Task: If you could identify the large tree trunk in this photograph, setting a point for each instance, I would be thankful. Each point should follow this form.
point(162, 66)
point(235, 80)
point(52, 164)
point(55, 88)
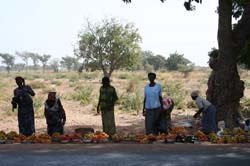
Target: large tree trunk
point(224, 86)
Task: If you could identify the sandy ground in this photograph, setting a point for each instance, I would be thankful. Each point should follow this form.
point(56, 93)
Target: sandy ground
point(80, 117)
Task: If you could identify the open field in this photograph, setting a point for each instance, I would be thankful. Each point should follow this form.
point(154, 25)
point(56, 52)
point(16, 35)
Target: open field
point(79, 95)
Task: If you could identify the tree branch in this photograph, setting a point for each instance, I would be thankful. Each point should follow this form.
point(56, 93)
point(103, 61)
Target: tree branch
point(242, 32)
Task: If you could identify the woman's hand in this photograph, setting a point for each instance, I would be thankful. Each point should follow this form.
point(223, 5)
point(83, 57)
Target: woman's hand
point(196, 115)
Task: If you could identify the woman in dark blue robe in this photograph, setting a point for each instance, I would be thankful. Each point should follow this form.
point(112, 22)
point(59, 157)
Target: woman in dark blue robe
point(23, 99)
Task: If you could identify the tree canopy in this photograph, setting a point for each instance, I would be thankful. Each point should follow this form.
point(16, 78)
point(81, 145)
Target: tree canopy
point(8, 60)
point(175, 60)
point(109, 46)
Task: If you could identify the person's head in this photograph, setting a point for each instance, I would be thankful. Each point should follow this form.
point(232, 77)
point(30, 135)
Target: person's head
point(151, 77)
point(20, 81)
point(52, 96)
point(247, 122)
point(105, 81)
point(194, 94)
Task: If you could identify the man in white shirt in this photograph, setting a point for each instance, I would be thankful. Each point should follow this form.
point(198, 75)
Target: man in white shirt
point(152, 105)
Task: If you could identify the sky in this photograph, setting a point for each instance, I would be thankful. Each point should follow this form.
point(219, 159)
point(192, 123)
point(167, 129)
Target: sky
point(52, 26)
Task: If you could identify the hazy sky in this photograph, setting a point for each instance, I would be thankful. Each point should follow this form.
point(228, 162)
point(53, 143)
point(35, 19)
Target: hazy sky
point(52, 26)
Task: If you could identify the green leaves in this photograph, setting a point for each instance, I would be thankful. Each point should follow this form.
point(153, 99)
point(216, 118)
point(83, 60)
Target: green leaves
point(8, 60)
point(109, 46)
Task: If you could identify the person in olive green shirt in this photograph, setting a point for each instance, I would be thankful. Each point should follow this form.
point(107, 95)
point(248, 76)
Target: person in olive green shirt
point(106, 104)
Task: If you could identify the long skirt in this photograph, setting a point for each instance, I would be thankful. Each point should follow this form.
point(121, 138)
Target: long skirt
point(55, 128)
point(152, 121)
point(208, 121)
point(108, 121)
point(26, 122)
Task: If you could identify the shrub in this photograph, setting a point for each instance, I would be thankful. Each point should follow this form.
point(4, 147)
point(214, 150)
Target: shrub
point(89, 75)
point(37, 85)
point(191, 104)
point(60, 76)
point(82, 94)
point(131, 102)
point(174, 90)
point(2, 85)
point(132, 85)
point(123, 76)
point(47, 90)
point(57, 83)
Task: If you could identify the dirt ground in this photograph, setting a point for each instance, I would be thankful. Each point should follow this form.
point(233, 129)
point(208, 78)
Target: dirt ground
point(81, 117)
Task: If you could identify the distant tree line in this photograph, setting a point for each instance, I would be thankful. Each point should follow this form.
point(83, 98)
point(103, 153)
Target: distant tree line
point(107, 46)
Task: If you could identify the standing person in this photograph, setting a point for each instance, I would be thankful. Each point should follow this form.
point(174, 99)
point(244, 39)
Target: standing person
point(208, 110)
point(54, 114)
point(106, 104)
point(22, 98)
point(152, 105)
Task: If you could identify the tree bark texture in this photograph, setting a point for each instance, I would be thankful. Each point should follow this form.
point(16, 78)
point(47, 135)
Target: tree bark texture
point(224, 85)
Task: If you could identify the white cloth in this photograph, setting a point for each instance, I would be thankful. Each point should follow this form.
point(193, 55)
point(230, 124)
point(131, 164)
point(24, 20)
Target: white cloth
point(152, 96)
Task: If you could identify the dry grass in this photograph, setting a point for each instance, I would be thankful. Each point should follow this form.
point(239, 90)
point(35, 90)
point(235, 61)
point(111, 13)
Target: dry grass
point(126, 83)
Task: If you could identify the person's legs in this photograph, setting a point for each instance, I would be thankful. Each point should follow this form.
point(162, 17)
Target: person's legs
point(108, 121)
point(162, 122)
point(21, 123)
point(209, 120)
point(149, 120)
point(157, 121)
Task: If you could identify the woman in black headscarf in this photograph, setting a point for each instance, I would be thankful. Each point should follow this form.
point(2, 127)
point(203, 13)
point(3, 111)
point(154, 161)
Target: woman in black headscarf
point(55, 114)
point(22, 98)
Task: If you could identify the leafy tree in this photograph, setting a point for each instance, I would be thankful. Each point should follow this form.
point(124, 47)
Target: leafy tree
point(70, 63)
point(35, 58)
point(8, 60)
point(19, 66)
point(25, 57)
point(109, 46)
point(44, 60)
point(224, 85)
point(76, 64)
point(175, 60)
point(55, 65)
point(186, 69)
point(67, 62)
point(158, 61)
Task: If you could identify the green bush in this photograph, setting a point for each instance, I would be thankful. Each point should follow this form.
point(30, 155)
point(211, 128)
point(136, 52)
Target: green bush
point(132, 85)
point(131, 102)
point(90, 75)
point(82, 94)
point(123, 76)
point(174, 90)
point(47, 90)
point(29, 77)
point(57, 83)
point(246, 83)
point(191, 104)
point(2, 85)
point(73, 84)
point(60, 75)
point(246, 112)
point(37, 85)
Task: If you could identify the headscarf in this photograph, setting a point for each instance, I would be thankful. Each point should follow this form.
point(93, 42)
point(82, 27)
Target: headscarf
point(195, 93)
point(19, 78)
point(105, 80)
point(51, 99)
point(51, 96)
